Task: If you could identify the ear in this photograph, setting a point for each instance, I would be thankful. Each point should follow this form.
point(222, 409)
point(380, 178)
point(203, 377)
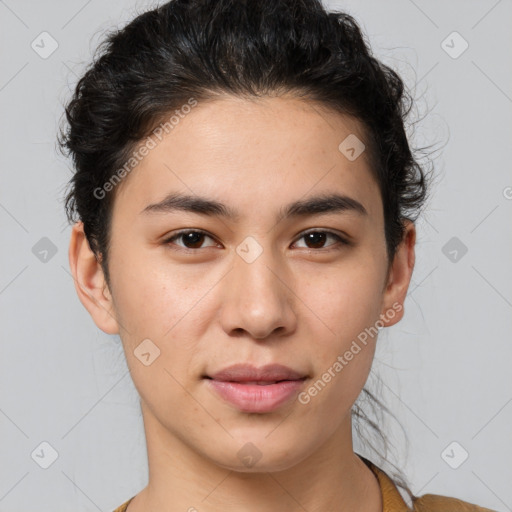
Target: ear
point(90, 282)
point(399, 277)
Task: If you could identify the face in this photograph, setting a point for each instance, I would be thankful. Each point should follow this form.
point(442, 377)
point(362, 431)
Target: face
point(197, 287)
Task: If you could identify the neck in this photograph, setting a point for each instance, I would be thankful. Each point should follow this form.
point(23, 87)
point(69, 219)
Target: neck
point(332, 478)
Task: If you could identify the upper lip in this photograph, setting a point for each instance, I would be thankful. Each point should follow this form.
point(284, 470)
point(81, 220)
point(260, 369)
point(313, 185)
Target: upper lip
point(249, 373)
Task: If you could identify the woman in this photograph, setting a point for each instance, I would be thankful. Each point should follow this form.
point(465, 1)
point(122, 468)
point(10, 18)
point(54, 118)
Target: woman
point(245, 199)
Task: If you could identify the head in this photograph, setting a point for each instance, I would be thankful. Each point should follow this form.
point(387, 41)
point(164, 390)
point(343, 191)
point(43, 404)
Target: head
point(243, 195)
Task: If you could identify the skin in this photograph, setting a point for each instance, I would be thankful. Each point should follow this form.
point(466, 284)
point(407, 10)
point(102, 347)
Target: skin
point(297, 304)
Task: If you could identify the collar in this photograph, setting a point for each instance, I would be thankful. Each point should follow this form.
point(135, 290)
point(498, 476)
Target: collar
point(392, 500)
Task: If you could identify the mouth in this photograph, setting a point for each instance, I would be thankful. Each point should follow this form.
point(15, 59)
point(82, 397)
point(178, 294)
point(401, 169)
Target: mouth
point(250, 389)
point(247, 373)
point(256, 382)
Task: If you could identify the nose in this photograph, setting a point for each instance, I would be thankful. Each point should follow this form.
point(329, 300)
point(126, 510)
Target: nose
point(258, 299)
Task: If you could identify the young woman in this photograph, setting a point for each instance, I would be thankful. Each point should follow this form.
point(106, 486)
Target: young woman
point(244, 205)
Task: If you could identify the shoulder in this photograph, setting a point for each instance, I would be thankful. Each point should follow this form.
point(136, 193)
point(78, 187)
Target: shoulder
point(435, 503)
point(394, 502)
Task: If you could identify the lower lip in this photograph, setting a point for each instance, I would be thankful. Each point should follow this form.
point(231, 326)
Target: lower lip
point(256, 398)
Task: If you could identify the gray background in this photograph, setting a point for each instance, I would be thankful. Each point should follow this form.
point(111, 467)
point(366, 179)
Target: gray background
point(445, 367)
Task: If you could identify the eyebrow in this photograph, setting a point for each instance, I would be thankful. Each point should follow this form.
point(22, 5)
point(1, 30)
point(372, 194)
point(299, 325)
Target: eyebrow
point(316, 205)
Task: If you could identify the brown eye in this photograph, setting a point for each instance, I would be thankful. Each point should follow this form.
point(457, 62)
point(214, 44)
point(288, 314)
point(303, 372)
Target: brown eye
point(191, 239)
point(317, 239)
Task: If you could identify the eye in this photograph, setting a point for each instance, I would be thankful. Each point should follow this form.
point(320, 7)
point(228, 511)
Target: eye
point(192, 239)
point(318, 238)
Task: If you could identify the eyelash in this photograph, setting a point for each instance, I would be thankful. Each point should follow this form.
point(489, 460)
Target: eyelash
point(341, 241)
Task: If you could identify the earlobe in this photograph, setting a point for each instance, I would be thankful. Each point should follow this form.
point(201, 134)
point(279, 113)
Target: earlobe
point(399, 278)
point(90, 282)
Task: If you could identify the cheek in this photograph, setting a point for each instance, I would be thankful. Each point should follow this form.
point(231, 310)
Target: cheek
point(152, 298)
point(338, 381)
point(346, 300)
point(346, 305)
point(159, 303)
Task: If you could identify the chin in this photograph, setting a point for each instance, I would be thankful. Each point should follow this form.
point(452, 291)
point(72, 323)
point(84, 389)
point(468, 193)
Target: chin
point(264, 455)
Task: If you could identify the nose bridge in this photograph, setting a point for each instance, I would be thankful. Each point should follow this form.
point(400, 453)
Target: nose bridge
point(257, 300)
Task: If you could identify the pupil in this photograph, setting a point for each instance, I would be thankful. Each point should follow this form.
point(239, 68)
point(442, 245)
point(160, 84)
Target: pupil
point(193, 238)
point(316, 238)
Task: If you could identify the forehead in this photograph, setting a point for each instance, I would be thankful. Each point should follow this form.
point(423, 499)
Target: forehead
point(273, 150)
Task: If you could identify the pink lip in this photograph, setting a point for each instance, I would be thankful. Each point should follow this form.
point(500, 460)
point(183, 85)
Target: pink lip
point(232, 385)
point(255, 397)
point(247, 373)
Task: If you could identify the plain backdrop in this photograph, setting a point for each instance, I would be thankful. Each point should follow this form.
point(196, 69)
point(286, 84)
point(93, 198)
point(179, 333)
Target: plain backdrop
point(445, 366)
